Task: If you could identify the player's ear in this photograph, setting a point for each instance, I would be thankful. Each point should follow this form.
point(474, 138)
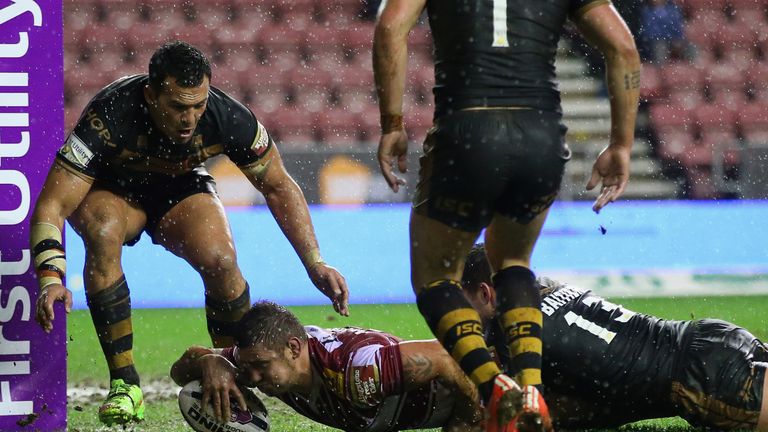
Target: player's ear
point(149, 95)
point(294, 344)
point(487, 293)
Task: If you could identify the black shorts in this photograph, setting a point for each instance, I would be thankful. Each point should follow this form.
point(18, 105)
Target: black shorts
point(720, 382)
point(156, 195)
point(480, 162)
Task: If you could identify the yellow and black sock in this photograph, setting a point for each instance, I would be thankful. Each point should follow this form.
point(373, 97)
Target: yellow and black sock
point(518, 308)
point(223, 315)
point(457, 326)
point(111, 315)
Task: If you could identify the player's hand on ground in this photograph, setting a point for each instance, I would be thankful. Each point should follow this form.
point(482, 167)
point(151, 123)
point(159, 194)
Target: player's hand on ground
point(49, 295)
point(612, 169)
point(219, 382)
point(331, 283)
point(393, 150)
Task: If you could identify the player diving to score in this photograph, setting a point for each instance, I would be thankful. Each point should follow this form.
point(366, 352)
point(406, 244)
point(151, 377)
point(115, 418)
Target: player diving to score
point(605, 366)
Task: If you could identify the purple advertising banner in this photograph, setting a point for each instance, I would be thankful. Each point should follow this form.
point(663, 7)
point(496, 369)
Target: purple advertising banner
point(33, 373)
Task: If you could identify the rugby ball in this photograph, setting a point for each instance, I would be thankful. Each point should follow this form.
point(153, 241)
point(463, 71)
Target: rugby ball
point(255, 419)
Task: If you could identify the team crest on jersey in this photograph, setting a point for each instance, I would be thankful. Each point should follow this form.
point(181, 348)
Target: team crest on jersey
point(261, 142)
point(76, 151)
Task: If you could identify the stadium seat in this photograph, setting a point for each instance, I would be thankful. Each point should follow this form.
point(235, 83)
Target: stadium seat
point(650, 83)
point(682, 83)
point(726, 86)
point(710, 118)
point(340, 13)
point(217, 14)
point(80, 15)
point(370, 126)
point(354, 89)
point(695, 6)
point(673, 143)
point(751, 6)
point(357, 44)
point(670, 117)
point(753, 123)
point(292, 127)
point(264, 88)
point(294, 14)
point(418, 120)
point(750, 18)
point(700, 183)
point(280, 47)
point(324, 48)
point(339, 128)
point(310, 89)
point(168, 13)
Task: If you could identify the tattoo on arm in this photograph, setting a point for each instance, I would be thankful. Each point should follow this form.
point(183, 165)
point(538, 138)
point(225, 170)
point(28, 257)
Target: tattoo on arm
point(632, 80)
point(418, 368)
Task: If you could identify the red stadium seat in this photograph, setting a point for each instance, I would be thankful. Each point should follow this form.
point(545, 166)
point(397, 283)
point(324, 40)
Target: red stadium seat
point(650, 83)
point(294, 14)
point(357, 44)
point(683, 83)
point(168, 13)
point(265, 88)
point(753, 122)
point(665, 117)
point(354, 89)
point(339, 128)
point(80, 15)
point(700, 183)
point(370, 126)
point(418, 120)
point(211, 13)
point(324, 48)
point(750, 18)
point(751, 6)
point(340, 13)
point(311, 89)
point(694, 6)
point(714, 118)
point(280, 47)
point(726, 86)
point(293, 127)
point(673, 143)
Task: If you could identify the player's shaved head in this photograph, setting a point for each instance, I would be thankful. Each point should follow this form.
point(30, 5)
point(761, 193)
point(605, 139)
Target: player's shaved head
point(268, 325)
point(179, 60)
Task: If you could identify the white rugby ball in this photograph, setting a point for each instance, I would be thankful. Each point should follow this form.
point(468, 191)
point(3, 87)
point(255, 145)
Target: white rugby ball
point(255, 419)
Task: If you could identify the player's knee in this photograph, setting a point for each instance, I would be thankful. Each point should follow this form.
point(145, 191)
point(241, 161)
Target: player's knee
point(102, 235)
point(215, 263)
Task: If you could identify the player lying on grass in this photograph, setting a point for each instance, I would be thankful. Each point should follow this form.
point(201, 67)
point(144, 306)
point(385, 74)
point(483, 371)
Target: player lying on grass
point(351, 379)
point(605, 366)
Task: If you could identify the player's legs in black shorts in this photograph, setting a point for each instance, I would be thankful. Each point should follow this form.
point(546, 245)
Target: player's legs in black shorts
point(721, 381)
point(479, 166)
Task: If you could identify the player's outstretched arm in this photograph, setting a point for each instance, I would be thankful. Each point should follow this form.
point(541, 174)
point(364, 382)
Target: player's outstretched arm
point(217, 375)
point(289, 207)
point(62, 193)
point(390, 58)
point(604, 28)
point(424, 361)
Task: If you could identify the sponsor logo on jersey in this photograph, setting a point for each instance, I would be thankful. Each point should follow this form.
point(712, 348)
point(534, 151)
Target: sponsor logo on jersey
point(76, 151)
point(261, 142)
point(364, 385)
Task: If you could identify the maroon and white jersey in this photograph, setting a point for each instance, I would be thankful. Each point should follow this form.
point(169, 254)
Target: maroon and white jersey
point(360, 385)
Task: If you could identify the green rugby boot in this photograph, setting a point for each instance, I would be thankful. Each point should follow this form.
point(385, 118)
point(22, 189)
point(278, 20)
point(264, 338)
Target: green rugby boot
point(124, 403)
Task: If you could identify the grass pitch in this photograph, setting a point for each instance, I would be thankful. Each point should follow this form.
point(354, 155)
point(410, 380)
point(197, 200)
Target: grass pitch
point(161, 336)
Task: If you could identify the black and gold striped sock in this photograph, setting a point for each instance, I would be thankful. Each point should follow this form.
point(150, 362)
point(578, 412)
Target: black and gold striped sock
point(519, 310)
point(111, 315)
point(223, 315)
point(457, 326)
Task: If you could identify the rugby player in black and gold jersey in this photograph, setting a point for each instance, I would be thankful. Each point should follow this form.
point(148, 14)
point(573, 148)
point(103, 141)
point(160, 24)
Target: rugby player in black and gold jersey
point(605, 366)
point(495, 159)
point(133, 163)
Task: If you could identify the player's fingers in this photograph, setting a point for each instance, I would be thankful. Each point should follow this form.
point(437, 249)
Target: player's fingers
point(402, 163)
point(206, 398)
point(603, 198)
point(226, 412)
point(240, 398)
point(343, 298)
point(216, 402)
point(385, 164)
point(68, 301)
point(594, 179)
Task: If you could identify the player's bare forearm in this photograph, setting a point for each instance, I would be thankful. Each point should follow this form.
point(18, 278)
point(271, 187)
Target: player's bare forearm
point(186, 368)
point(390, 52)
point(62, 193)
point(424, 361)
point(286, 202)
point(603, 27)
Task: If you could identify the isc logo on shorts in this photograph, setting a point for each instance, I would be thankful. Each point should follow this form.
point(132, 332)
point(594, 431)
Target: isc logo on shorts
point(469, 328)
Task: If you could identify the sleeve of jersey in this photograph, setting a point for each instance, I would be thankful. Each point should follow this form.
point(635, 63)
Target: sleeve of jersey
point(249, 140)
point(373, 373)
point(82, 151)
point(580, 7)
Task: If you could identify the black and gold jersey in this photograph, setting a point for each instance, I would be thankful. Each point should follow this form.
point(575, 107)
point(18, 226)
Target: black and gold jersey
point(600, 350)
point(498, 52)
point(115, 139)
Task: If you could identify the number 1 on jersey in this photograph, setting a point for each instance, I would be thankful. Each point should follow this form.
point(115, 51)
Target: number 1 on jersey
point(500, 23)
